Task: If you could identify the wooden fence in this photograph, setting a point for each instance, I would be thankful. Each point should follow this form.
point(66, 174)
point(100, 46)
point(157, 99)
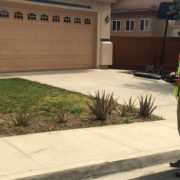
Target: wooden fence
point(140, 52)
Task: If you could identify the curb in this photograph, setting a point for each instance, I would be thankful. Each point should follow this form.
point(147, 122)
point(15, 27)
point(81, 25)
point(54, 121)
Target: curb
point(99, 170)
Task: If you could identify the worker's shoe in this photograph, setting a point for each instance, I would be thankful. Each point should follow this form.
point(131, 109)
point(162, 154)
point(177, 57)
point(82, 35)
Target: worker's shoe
point(177, 174)
point(175, 164)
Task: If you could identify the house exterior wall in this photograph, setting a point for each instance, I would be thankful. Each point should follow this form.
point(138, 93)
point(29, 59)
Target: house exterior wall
point(156, 27)
point(136, 32)
point(138, 4)
point(103, 9)
point(139, 9)
point(141, 49)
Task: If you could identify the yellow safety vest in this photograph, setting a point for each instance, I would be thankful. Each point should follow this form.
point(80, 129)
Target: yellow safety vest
point(177, 88)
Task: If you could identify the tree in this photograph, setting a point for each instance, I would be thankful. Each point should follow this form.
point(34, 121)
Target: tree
point(167, 11)
point(175, 9)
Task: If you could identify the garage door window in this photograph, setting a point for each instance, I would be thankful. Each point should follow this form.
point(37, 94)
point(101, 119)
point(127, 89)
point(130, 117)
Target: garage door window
point(4, 14)
point(56, 19)
point(67, 19)
point(32, 16)
point(77, 20)
point(18, 15)
point(44, 17)
point(87, 21)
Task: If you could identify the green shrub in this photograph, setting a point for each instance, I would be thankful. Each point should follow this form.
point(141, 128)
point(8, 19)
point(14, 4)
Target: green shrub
point(128, 120)
point(102, 105)
point(21, 119)
point(146, 106)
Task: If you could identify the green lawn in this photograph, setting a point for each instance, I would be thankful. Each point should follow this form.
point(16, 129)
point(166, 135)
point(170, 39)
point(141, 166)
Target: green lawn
point(18, 95)
point(31, 107)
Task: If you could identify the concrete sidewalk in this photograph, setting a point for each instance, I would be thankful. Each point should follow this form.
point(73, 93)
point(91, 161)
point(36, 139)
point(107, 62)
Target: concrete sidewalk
point(35, 154)
point(28, 155)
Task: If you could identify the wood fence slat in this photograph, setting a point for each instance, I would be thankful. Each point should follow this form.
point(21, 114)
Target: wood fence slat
point(138, 53)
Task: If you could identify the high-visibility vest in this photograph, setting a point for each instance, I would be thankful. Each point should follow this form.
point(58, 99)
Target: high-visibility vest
point(177, 88)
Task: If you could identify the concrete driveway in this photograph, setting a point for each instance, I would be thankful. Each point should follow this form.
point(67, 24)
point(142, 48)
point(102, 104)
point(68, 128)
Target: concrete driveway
point(122, 83)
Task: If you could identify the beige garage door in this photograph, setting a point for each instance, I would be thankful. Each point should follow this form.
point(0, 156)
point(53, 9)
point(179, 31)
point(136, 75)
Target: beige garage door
point(39, 38)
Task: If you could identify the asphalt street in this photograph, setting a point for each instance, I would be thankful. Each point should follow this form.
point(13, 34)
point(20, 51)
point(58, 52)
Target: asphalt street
point(166, 175)
point(157, 172)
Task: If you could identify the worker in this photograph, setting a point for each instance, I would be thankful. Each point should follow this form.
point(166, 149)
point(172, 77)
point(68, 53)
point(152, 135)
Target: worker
point(176, 83)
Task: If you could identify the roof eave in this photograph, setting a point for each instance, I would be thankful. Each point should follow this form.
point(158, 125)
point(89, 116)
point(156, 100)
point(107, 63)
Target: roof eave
point(108, 1)
point(133, 10)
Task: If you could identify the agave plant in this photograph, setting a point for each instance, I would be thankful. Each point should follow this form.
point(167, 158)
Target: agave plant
point(130, 105)
point(102, 105)
point(122, 110)
point(146, 106)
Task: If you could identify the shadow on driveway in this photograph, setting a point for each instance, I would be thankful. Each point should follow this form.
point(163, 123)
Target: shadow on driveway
point(35, 73)
point(155, 86)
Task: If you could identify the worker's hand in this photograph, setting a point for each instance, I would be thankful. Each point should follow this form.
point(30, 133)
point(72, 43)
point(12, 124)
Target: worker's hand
point(172, 74)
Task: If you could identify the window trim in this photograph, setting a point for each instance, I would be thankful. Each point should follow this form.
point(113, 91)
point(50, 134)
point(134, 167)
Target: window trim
point(56, 19)
point(77, 22)
point(30, 15)
point(130, 20)
point(116, 20)
point(19, 13)
point(89, 21)
point(67, 19)
point(5, 13)
point(45, 16)
point(144, 19)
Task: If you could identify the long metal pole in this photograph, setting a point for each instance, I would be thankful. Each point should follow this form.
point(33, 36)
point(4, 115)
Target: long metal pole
point(163, 47)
